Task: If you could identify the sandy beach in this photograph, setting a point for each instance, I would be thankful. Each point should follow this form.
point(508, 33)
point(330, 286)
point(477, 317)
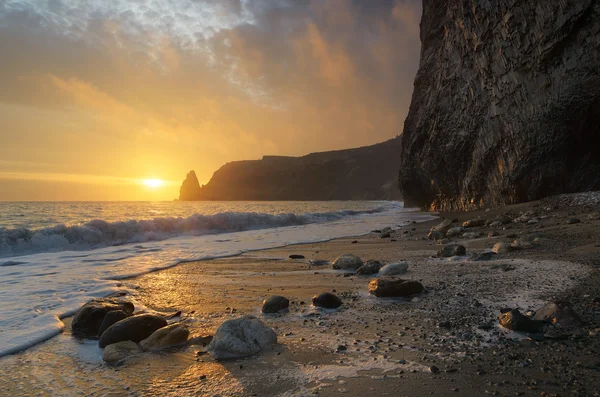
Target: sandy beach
point(444, 341)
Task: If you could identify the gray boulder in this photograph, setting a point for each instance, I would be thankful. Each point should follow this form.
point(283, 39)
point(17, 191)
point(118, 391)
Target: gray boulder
point(455, 231)
point(559, 312)
point(275, 304)
point(394, 269)
point(241, 337)
point(88, 319)
point(502, 248)
point(443, 227)
point(347, 262)
point(172, 335)
point(135, 328)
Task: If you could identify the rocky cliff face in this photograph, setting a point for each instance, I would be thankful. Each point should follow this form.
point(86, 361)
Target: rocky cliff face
point(190, 188)
point(506, 103)
point(367, 173)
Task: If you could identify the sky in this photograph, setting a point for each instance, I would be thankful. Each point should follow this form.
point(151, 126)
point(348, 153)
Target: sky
point(98, 96)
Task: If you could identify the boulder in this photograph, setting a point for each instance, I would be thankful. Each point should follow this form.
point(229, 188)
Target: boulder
point(471, 235)
point(455, 231)
point(594, 216)
point(394, 269)
point(371, 267)
point(327, 300)
point(484, 256)
point(111, 318)
point(135, 328)
point(435, 235)
point(559, 312)
point(296, 256)
point(451, 250)
point(515, 321)
point(573, 221)
point(172, 335)
point(502, 248)
point(474, 223)
point(118, 351)
point(496, 224)
point(394, 287)
point(443, 227)
point(347, 262)
point(88, 319)
point(275, 304)
point(241, 337)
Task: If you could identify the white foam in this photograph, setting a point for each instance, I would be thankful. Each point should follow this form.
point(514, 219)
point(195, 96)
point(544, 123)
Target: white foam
point(49, 286)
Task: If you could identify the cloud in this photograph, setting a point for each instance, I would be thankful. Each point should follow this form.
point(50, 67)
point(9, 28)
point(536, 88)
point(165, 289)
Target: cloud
point(198, 83)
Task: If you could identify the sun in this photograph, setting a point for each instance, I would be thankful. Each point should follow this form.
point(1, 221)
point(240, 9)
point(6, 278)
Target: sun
point(153, 183)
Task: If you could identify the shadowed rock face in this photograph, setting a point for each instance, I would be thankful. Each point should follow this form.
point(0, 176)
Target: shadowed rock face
point(366, 173)
point(506, 104)
point(190, 188)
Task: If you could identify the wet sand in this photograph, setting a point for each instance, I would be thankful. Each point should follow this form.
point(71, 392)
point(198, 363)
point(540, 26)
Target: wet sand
point(388, 346)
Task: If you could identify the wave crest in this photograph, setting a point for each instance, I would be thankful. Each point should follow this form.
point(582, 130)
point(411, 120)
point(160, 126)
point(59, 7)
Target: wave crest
point(99, 233)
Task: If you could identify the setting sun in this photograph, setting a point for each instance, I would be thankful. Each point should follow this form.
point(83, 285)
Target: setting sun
point(153, 183)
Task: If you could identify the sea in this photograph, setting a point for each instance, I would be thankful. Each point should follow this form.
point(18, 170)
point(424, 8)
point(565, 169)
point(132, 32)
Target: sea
point(55, 256)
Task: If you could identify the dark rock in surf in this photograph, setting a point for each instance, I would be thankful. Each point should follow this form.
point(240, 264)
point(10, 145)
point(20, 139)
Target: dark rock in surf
point(88, 319)
point(135, 328)
point(111, 318)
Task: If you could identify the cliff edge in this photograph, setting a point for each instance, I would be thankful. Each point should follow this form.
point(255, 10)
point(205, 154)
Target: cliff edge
point(506, 103)
point(366, 173)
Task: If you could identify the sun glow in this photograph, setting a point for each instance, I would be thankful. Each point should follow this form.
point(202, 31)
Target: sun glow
point(153, 183)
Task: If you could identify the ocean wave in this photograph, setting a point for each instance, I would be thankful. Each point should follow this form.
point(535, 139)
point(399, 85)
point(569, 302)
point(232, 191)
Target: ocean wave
point(99, 233)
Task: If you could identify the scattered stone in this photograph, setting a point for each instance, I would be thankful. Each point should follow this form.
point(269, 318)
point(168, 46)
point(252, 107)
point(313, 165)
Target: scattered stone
point(353, 241)
point(88, 319)
point(505, 220)
point(275, 304)
point(394, 287)
point(483, 256)
point(471, 235)
point(111, 318)
point(296, 256)
point(327, 300)
point(118, 351)
point(473, 223)
point(515, 321)
point(501, 248)
point(319, 262)
point(496, 224)
point(394, 269)
point(371, 267)
point(573, 221)
point(455, 231)
point(200, 340)
point(135, 328)
point(452, 250)
point(241, 337)
point(434, 370)
point(385, 235)
point(347, 262)
point(341, 348)
point(442, 228)
point(493, 234)
point(594, 216)
point(169, 336)
point(435, 235)
point(559, 312)
point(553, 334)
point(444, 324)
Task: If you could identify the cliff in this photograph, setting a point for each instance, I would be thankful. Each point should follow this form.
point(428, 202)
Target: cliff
point(367, 173)
point(506, 103)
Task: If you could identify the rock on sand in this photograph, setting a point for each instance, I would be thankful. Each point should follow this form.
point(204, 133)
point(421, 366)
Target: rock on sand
point(347, 262)
point(136, 328)
point(394, 287)
point(241, 337)
point(169, 336)
point(393, 269)
point(118, 351)
point(275, 304)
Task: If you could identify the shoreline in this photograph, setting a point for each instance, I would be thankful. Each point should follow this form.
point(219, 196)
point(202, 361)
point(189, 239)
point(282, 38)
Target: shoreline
point(398, 340)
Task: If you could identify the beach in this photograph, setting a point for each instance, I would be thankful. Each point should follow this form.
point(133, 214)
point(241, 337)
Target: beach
point(443, 341)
